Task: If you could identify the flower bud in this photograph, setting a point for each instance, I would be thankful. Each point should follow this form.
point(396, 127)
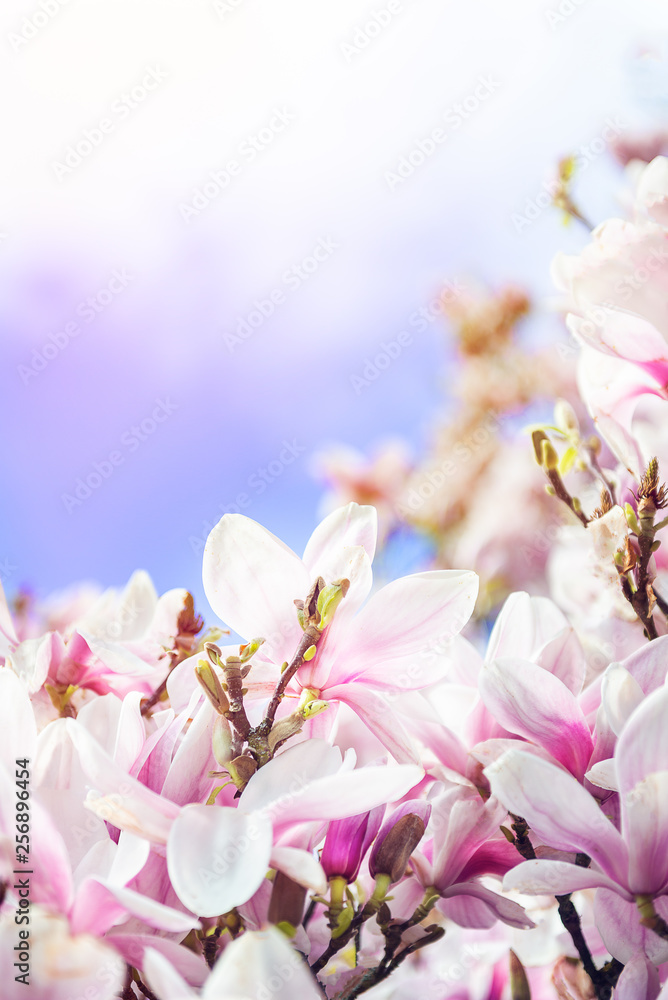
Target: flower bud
point(347, 842)
point(221, 741)
point(549, 457)
point(398, 838)
point(250, 649)
point(565, 418)
point(286, 905)
point(519, 984)
point(329, 599)
point(210, 682)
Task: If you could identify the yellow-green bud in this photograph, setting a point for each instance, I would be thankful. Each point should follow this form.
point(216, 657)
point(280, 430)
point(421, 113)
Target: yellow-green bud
point(538, 437)
point(210, 682)
point(565, 418)
point(245, 652)
point(329, 599)
point(549, 458)
point(631, 518)
point(221, 741)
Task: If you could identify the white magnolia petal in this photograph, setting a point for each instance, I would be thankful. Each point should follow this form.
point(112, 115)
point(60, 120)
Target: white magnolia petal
point(251, 580)
point(163, 978)
point(621, 694)
point(301, 866)
point(552, 878)
point(259, 964)
point(642, 747)
point(217, 857)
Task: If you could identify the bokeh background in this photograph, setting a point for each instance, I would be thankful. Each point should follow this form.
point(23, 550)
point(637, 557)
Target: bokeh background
point(127, 273)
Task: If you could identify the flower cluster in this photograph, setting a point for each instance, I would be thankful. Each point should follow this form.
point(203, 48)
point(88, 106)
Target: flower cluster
point(352, 796)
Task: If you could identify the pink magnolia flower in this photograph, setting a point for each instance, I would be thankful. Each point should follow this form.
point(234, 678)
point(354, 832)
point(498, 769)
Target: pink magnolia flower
point(467, 844)
point(257, 965)
point(218, 856)
point(617, 289)
point(629, 863)
point(252, 579)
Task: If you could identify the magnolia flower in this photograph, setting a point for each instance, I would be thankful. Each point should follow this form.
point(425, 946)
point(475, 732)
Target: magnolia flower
point(257, 965)
point(252, 580)
point(466, 845)
point(218, 856)
point(617, 291)
point(631, 863)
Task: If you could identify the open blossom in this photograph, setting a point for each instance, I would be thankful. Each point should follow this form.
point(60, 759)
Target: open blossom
point(252, 581)
point(466, 845)
point(617, 289)
point(632, 862)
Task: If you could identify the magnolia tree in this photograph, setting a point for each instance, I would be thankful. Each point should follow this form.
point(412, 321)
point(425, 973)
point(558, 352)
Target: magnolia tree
point(357, 799)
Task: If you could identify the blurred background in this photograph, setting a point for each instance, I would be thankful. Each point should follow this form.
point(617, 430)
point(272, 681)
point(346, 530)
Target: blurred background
point(219, 222)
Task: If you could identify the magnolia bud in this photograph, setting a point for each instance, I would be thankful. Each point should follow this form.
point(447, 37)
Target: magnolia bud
point(538, 437)
point(286, 905)
point(398, 838)
point(347, 842)
point(549, 457)
point(329, 599)
point(565, 418)
point(250, 649)
point(519, 984)
point(221, 741)
point(209, 681)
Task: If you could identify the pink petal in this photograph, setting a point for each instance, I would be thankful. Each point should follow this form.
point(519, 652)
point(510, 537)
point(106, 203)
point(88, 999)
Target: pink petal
point(523, 627)
point(639, 981)
point(556, 878)
point(507, 910)
point(558, 810)
point(405, 617)
point(533, 703)
point(642, 747)
point(620, 695)
point(649, 664)
point(618, 923)
point(374, 708)
point(251, 579)
point(645, 829)
point(188, 967)
point(464, 823)
point(163, 979)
